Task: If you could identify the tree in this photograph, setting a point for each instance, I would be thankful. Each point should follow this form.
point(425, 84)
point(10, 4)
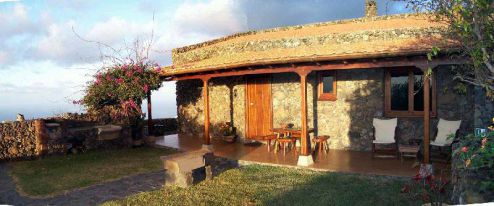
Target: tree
point(471, 24)
point(125, 79)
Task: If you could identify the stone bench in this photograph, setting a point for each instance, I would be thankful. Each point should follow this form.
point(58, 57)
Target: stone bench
point(186, 169)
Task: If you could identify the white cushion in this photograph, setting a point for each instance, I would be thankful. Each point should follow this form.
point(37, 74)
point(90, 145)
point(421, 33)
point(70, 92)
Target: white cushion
point(438, 144)
point(384, 130)
point(382, 142)
point(444, 129)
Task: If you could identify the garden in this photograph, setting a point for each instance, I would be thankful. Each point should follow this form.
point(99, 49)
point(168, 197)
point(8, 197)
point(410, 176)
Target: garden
point(55, 175)
point(265, 185)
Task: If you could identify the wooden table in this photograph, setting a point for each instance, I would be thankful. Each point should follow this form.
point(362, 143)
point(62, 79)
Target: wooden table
point(289, 131)
point(408, 151)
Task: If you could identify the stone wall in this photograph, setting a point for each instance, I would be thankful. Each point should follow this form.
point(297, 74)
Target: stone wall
point(32, 138)
point(190, 107)
point(348, 120)
point(162, 126)
point(226, 102)
point(17, 140)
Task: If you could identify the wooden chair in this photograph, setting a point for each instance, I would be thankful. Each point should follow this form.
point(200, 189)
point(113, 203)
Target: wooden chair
point(321, 143)
point(384, 135)
point(296, 136)
point(286, 143)
point(268, 139)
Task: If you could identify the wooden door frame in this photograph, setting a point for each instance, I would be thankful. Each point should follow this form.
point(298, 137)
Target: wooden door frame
point(246, 98)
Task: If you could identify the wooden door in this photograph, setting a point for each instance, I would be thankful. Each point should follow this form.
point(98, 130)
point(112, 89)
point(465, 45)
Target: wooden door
point(258, 99)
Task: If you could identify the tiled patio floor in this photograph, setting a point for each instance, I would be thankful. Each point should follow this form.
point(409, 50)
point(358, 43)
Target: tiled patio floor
point(334, 160)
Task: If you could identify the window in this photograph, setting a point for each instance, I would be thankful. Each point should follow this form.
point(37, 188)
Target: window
point(327, 86)
point(404, 93)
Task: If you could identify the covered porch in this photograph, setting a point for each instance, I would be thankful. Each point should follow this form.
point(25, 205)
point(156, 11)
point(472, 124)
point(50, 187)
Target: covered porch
point(334, 160)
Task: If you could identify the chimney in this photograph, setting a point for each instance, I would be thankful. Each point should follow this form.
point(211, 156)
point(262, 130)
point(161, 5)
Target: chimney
point(370, 8)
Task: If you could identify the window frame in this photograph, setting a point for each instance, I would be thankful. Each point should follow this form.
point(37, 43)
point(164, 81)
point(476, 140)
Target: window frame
point(326, 96)
point(410, 112)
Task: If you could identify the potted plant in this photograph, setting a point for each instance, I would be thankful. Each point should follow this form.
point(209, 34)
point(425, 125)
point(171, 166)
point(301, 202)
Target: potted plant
point(228, 132)
point(430, 189)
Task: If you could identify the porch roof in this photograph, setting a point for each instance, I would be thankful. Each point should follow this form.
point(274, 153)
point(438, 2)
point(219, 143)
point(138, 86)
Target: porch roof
point(382, 36)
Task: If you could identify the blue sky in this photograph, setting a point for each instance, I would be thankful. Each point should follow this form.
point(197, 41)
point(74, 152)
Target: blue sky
point(44, 65)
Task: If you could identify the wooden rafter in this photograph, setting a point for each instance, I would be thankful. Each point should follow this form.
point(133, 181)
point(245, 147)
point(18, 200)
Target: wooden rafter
point(317, 66)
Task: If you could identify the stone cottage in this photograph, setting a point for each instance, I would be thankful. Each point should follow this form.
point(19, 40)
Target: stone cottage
point(334, 77)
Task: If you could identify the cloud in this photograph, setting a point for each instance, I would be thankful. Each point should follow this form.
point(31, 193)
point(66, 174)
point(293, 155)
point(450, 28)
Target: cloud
point(213, 18)
point(61, 45)
point(16, 21)
point(4, 56)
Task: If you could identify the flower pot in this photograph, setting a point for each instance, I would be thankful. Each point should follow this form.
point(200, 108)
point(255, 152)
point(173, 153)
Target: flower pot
point(229, 138)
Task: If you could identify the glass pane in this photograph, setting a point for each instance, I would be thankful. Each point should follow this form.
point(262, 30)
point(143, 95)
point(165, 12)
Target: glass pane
point(418, 91)
point(399, 90)
point(327, 84)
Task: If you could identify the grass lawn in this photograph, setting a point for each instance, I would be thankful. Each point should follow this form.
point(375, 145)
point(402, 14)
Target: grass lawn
point(263, 185)
point(55, 174)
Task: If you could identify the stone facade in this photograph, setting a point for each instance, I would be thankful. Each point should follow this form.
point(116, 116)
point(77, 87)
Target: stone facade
point(348, 120)
point(227, 104)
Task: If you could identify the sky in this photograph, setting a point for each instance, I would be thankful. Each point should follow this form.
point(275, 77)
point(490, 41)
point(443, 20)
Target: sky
point(47, 54)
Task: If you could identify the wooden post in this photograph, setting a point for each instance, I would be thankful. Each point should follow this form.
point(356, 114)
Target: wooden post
point(305, 142)
point(205, 95)
point(150, 115)
point(426, 79)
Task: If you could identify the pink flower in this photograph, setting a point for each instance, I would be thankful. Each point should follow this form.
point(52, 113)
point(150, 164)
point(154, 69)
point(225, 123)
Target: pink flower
point(129, 73)
point(464, 149)
point(119, 80)
point(108, 78)
point(146, 88)
point(133, 104)
point(157, 69)
point(484, 141)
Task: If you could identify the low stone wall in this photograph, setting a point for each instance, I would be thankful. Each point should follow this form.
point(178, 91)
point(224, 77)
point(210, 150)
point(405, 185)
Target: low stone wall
point(164, 126)
point(18, 140)
point(32, 138)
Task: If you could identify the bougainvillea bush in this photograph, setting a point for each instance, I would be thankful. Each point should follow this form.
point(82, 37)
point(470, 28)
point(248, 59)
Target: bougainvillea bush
point(476, 155)
point(115, 94)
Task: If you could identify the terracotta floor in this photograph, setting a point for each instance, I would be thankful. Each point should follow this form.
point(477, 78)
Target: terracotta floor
point(334, 160)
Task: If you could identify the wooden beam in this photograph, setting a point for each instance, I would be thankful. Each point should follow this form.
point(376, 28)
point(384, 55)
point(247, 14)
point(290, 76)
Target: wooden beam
point(426, 118)
point(334, 65)
point(305, 140)
point(150, 115)
point(205, 95)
